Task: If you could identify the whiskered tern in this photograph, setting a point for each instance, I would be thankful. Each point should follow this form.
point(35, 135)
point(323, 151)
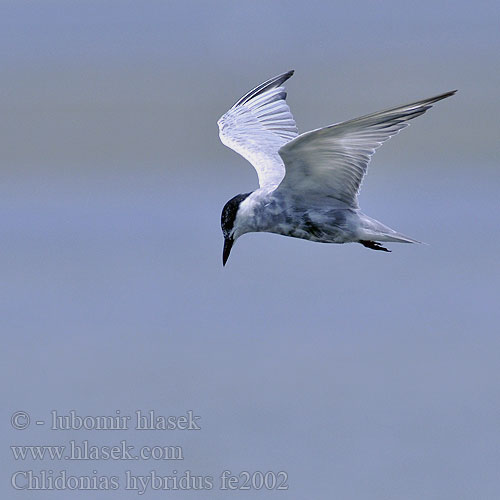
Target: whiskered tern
point(308, 183)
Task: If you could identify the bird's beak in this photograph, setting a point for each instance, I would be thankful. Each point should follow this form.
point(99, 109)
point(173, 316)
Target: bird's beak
point(228, 244)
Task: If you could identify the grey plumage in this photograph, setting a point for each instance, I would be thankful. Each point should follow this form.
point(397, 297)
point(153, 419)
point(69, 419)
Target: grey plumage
point(309, 182)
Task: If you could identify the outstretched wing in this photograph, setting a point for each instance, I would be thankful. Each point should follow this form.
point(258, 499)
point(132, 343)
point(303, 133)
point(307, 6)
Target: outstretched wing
point(332, 161)
point(258, 125)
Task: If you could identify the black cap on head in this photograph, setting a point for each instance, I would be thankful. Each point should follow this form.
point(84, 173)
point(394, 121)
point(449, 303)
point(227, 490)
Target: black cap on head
point(227, 223)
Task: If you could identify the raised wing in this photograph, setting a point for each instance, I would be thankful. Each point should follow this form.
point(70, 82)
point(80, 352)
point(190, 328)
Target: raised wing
point(331, 162)
point(258, 125)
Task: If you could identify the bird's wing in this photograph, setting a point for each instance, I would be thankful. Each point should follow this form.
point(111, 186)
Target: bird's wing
point(331, 161)
point(258, 125)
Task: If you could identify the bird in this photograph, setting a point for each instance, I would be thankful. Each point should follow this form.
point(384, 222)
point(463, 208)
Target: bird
point(308, 183)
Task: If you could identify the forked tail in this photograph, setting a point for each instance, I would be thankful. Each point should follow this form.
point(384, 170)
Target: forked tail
point(373, 230)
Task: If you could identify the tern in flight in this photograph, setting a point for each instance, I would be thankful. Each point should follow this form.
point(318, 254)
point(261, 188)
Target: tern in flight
point(308, 183)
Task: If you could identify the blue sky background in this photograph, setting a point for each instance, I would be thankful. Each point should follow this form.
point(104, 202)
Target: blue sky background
point(362, 375)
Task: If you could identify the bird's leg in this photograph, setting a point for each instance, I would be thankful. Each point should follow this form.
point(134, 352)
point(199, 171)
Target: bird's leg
point(373, 245)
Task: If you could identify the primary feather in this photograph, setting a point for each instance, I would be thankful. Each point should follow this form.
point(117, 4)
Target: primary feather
point(258, 125)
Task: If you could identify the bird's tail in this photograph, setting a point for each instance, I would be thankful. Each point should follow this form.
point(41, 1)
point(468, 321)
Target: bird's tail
point(374, 230)
point(396, 237)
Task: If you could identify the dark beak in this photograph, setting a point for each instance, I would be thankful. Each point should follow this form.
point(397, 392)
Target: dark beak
point(228, 244)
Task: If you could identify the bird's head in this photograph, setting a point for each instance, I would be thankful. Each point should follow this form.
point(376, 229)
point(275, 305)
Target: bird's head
point(231, 224)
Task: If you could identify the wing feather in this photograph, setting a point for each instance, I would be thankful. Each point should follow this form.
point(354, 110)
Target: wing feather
point(332, 161)
point(258, 125)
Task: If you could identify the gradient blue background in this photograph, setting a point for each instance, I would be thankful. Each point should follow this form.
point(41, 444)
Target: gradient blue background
point(361, 374)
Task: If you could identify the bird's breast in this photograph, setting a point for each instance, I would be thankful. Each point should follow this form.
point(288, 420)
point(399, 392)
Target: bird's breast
point(322, 225)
